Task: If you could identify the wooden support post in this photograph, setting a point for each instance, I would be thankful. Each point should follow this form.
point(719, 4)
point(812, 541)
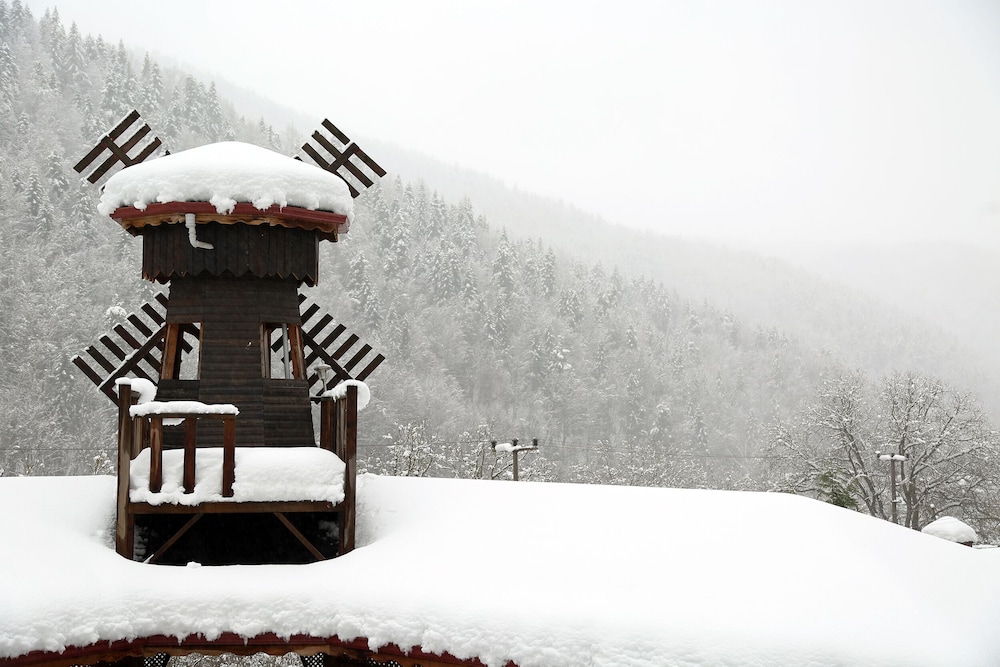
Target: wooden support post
point(298, 358)
point(310, 547)
point(328, 424)
point(171, 352)
point(348, 429)
point(173, 540)
point(124, 522)
point(228, 455)
point(155, 453)
point(190, 435)
point(140, 435)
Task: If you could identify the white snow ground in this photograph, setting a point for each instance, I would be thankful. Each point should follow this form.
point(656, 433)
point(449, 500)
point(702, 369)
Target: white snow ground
point(541, 574)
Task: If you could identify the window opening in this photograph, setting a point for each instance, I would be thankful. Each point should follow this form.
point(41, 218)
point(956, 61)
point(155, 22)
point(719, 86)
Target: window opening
point(281, 356)
point(182, 351)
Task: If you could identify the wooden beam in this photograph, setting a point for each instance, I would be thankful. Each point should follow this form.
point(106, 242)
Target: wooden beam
point(228, 455)
point(317, 554)
point(190, 436)
point(349, 449)
point(375, 363)
point(263, 507)
point(124, 522)
point(173, 539)
point(155, 453)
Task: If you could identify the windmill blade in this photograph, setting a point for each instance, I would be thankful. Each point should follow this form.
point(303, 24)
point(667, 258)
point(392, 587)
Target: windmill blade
point(336, 153)
point(133, 150)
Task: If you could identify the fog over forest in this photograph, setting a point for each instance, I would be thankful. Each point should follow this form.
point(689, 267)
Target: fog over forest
point(635, 358)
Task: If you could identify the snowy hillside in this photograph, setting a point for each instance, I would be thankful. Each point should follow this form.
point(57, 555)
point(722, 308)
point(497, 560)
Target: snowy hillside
point(538, 574)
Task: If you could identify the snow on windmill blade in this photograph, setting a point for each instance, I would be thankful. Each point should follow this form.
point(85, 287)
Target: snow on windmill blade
point(336, 153)
point(139, 146)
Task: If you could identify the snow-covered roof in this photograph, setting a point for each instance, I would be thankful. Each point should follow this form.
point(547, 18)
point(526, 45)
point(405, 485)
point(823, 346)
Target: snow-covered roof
point(225, 174)
point(950, 528)
point(536, 574)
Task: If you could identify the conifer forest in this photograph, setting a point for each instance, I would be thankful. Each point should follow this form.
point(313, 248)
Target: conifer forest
point(489, 333)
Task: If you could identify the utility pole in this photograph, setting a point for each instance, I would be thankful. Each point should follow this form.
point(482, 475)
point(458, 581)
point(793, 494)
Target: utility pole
point(514, 449)
point(894, 501)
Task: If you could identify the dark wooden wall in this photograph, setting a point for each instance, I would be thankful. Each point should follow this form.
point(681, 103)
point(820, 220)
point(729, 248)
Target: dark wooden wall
point(231, 312)
point(257, 250)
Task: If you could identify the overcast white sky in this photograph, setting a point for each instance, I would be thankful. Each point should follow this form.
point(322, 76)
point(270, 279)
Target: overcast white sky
point(733, 119)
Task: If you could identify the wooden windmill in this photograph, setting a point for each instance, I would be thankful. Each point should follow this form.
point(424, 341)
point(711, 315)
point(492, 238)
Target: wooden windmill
point(233, 330)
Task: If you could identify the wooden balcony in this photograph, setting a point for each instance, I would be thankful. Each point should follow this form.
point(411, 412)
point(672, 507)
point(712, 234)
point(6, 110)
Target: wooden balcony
point(140, 428)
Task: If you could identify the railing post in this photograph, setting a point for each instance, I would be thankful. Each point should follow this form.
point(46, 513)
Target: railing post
point(190, 435)
point(348, 443)
point(228, 455)
point(124, 523)
point(155, 453)
point(328, 424)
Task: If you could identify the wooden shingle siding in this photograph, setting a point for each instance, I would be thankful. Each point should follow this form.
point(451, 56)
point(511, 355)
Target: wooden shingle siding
point(262, 251)
point(232, 313)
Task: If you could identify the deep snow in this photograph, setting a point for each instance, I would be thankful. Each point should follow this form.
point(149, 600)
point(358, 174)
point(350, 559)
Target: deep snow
point(541, 574)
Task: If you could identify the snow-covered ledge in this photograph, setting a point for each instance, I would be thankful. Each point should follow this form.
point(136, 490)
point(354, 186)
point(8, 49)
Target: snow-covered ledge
point(192, 408)
point(263, 474)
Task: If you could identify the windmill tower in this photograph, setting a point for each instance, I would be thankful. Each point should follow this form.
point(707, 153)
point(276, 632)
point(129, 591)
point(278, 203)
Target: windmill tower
point(233, 348)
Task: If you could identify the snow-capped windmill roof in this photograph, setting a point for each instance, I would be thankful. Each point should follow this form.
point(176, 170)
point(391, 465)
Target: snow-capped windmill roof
point(533, 574)
point(225, 174)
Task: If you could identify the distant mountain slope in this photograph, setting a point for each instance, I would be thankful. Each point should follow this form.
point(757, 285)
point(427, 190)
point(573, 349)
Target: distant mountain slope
point(636, 358)
point(928, 308)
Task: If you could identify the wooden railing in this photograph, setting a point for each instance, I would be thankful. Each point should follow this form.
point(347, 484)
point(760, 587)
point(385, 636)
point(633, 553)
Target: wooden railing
point(338, 434)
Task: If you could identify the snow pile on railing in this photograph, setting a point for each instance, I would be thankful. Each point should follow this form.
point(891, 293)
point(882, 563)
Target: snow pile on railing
point(152, 408)
point(340, 391)
point(262, 474)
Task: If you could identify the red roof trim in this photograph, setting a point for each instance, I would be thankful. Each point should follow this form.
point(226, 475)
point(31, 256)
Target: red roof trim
point(227, 642)
point(242, 208)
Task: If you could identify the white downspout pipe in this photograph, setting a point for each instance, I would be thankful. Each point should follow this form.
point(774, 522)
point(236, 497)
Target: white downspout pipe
point(193, 234)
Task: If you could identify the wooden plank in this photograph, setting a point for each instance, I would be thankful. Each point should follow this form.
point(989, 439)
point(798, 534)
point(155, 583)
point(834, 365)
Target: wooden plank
point(155, 453)
point(140, 325)
point(173, 539)
point(112, 347)
point(357, 358)
point(318, 352)
point(228, 456)
point(327, 424)
point(123, 125)
point(99, 358)
point(335, 131)
point(317, 554)
point(153, 313)
point(132, 363)
point(309, 312)
point(352, 151)
point(267, 507)
point(349, 449)
point(149, 149)
point(94, 376)
point(348, 344)
point(317, 328)
point(370, 368)
point(298, 359)
point(124, 523)
point(127, 336)
point(170, 361)
point(334, 335)
point(190, 437)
